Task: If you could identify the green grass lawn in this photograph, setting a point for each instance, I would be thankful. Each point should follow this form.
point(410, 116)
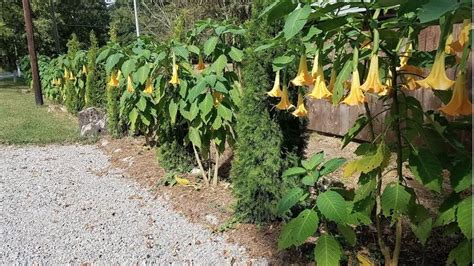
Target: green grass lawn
point(22, 122)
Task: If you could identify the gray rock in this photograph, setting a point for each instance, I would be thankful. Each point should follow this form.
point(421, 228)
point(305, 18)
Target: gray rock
point(92, 122)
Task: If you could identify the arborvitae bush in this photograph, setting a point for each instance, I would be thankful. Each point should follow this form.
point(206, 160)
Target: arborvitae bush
point(257, 164)
point(73, 100)
point(172, 154)
point(95, 79)
point(113, 98)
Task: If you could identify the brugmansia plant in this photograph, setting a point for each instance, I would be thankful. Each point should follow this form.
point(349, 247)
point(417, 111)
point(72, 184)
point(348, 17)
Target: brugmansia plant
point(377, 44)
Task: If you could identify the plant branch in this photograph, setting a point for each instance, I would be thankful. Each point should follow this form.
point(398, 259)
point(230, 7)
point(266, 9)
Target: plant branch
point(204, 176)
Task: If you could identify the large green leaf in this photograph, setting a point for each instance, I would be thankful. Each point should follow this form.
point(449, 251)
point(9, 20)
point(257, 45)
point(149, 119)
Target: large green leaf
point(307, 224)
point(464, 217)
point(461, 175)
point(210, 45)
point(461, 254)
point(224, 112)
point(102, 55)
point(112, 61)
point(142, 73)
point(327, 251)
point(447, 211)
point(331, 166)
point(220, 63)
point(365, 189)
point(236, 54)
point(338, 92)
point(206, 105)
point(434, 9)
point(427, 169)
point(394, 199)
point(421, 222)
point(278, 9)
point(296, 21)
point(368, 162)
point(194, 136)
point(173, 111)
point(128, 67)
point(333, 206)
point(348, 233)
point(289, 200)
point(313, 162)
point(294, 171)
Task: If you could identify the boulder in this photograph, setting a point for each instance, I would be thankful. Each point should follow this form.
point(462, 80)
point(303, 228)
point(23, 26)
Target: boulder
point(92, 122)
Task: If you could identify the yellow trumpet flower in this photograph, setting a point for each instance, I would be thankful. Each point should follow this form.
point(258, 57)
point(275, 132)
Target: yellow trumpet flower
point(373, 83)
point(315, 69)
point(174, 78)
point(284, 103)
point(149, 86)
point(356, 95)
point(217, 98)
point(130, 84)
point(300, 109)
point(65, 73)
point(114, 79)
point(71, 76)
point(320, 91)
point(84, 70)
point(460, 103)
point(408, 76)
point(276, 90)
point(303, 78)
point(201, 65)
point(332, 80)
point(406, 54)
point(448, 47)
point(437, 78)
point(458, 46)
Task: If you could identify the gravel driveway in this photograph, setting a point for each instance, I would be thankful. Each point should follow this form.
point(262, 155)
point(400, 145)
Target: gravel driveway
point(54, 209)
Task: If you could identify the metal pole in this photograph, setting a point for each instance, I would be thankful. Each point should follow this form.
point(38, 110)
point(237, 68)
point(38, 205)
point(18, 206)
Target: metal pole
point(32, 52)
point(136, 17)
point(55, 26)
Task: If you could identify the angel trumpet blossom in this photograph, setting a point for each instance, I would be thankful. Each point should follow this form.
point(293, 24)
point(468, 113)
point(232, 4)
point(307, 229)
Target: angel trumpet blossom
point(200, 65)
point(332, 80)
point(356, 95)
point(149, 86)
point(71, 76)
point(217, 98)
point(460, 103)
point(284, 103)
point(130, 84)
point(303, 78)
point(84, 70)
point(114, 82)
point(276, 90)
point(66, 74)
point(458, 46)
point(320, 91)
point(373, 83)
point(174, 77)
point(300, 109)
point(437, 78)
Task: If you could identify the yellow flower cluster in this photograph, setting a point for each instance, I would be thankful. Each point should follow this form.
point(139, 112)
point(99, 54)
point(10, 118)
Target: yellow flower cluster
point(437, 79)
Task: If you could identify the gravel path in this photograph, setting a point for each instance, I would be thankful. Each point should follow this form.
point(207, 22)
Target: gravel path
point(55, 210)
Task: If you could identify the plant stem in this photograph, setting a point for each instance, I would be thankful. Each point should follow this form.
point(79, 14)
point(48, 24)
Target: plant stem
point(398, 132)
point(378, 224)
point(398, 242)
point(204, 176)
point(216, 167)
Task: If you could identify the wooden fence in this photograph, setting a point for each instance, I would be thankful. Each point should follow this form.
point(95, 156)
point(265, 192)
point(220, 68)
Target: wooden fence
point(336, 120)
